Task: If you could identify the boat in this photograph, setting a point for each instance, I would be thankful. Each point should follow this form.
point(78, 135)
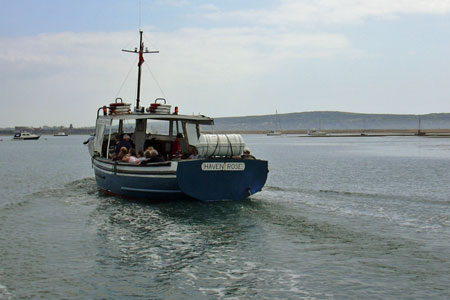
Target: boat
point(419, 129)
point(218, 173)
point(24, 135)
point(60, 134)
point(275, 132)
point(314, 132)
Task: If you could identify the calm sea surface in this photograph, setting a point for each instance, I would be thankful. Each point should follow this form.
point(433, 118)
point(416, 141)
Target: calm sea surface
point(339, 218)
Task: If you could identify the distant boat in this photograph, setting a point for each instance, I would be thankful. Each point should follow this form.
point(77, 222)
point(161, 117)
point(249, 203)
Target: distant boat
point(25, 136)
point(275, 132)
point(60, 134)
point(316, 133)
point(419, 131)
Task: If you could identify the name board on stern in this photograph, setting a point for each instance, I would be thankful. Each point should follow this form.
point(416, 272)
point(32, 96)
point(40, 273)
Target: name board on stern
point(223, 166)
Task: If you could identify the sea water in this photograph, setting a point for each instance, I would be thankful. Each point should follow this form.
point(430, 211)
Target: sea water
point(339, 218)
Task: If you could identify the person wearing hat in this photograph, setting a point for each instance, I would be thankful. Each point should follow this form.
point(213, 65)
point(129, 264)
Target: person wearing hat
point(246, 154)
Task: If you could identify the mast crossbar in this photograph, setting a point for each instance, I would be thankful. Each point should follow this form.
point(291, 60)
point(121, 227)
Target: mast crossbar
point(141, 61)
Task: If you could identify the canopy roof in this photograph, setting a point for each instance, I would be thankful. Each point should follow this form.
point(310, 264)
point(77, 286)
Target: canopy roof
point(133, 116)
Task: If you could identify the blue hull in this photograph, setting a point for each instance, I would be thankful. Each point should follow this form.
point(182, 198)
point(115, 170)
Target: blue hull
point(204, 179)
point(221, 179)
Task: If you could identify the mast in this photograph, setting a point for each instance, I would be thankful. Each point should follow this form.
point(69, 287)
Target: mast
point(419, 132)
point(141, 61)
point(278, 120)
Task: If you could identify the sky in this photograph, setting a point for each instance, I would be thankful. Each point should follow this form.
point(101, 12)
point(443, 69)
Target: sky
point(62, 60)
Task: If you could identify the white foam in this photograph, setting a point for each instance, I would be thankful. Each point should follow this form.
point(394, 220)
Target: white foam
point(4, 294)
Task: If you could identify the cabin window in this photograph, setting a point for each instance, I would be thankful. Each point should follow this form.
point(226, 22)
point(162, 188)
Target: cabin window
point(208, 129)
point(113, 132)
point(109, 127)
point(128, 127)
point(178, 127)
point(191, 133)
point(158, 127)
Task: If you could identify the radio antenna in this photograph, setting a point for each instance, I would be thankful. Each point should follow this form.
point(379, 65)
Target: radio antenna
point(140, 2)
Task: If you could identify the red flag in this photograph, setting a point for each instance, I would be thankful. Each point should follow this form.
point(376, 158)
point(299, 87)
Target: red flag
point(141, 58)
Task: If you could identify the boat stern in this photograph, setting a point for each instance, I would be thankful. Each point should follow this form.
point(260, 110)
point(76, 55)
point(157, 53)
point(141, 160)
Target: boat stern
point(221, 179)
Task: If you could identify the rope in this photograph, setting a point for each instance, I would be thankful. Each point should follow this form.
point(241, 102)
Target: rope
point(156, 81)
point(231, 146)
point(217, 145)
point(126, 78)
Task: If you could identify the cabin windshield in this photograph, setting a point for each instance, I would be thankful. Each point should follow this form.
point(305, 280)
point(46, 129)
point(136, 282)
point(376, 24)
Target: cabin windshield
point(143, 133)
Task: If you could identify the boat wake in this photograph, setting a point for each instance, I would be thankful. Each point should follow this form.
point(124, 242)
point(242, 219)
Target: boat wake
point(301, 191)
point(83, 188)
point(75, 188)
point(398, 210)
point(409, 199)
point(4, 293)
point(13, 205)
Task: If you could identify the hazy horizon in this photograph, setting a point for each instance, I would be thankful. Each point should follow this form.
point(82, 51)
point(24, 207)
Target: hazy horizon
point(55, 126)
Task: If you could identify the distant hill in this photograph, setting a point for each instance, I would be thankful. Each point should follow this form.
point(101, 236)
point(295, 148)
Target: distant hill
point(319, 120)
point(332, 120)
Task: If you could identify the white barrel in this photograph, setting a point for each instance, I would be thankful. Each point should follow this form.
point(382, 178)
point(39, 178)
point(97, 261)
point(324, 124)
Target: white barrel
point(220, 145)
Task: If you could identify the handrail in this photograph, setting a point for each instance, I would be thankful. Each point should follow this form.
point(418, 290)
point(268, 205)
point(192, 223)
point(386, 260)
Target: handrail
point(104, 108)
point(165, 102)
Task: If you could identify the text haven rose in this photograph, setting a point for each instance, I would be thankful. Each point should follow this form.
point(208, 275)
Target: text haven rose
point(223, 166)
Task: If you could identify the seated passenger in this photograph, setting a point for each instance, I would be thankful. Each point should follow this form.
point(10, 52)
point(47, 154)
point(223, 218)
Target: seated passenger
point(146, 158)
point(151, 157)
point(125, 142)
point(246, 154)
point(194, 154)
point(156, 157)
point(121, 154)
point(131, 157)
point(112, 147)
point(141, 155)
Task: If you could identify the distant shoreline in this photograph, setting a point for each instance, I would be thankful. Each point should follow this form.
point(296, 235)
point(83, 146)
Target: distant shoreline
point(331, 122)
point(353, 132)
point(333, 132)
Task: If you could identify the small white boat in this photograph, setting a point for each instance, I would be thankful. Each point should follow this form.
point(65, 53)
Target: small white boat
point(316, 133)
point(60, 134)
point(25, 136)
point(273, 133)
point(276, 132)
